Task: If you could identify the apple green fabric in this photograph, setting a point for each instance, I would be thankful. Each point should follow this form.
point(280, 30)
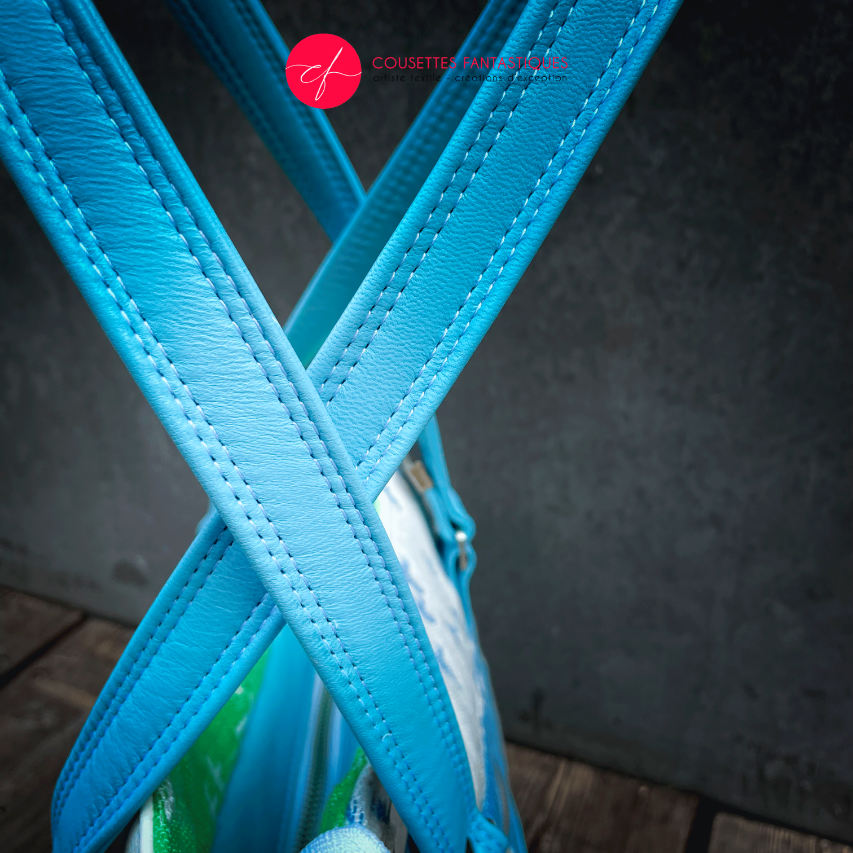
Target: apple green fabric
point(186, 804)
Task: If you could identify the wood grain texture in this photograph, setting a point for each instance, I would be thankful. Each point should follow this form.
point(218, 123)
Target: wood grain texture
point(43, 708)
point(733, 834)
point(569, 806)
point(566, 806)
point(28, 625)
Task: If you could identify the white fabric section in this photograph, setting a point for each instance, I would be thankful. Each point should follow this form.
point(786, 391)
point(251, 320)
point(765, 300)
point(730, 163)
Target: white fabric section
point(371, 807)
point(347, 839)
point(444, 617)
point(140, 839)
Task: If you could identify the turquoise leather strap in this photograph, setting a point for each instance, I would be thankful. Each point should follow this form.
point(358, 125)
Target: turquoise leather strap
point(389, 197)
point(202, 602)
point(241, 43)
point(611, 44)
point(178, 305)
point(477, 222)
point(603, 65)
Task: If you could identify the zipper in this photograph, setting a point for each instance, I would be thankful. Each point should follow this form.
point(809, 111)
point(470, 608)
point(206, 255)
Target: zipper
point(314, 802)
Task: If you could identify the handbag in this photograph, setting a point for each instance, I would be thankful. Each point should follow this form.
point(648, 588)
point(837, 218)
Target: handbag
point(310, 676)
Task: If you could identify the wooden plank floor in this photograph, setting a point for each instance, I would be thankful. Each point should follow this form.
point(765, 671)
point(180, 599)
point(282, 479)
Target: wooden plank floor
point(53, 661)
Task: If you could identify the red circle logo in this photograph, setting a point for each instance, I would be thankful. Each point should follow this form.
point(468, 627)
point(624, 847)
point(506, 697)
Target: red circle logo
point(323, 70)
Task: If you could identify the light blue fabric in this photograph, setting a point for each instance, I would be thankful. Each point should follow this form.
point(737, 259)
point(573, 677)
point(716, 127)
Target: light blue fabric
point(347, 839)
point(265, 794)
point(329, 292)
point(242, 45)
point(424, 305)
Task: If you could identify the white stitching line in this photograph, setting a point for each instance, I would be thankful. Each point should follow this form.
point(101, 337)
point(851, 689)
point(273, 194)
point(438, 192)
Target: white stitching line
point(124, 315)
point(158, 752)
point(490, 287)
point(109, 703)
point(442, 714)
point(441, 99)
point(329, 459)
point(113, 804)
point(340, 382)
point(514, 223)
point(132, 665)
point(528, 223)
point(441, 719)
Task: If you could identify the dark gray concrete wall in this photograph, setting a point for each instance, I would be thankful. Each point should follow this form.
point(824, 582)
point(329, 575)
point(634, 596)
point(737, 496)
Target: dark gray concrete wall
point(655, 437)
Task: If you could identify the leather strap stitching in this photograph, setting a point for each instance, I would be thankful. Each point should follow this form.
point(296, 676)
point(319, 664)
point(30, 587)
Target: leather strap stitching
point(442, 723)
point(220, 62)
point(491, 260)
point(515, 220)
point(113, 802)
point(103, 720)
point(401, 287)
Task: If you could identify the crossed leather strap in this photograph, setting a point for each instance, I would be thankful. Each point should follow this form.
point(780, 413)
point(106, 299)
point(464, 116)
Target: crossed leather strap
point(293, 458)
